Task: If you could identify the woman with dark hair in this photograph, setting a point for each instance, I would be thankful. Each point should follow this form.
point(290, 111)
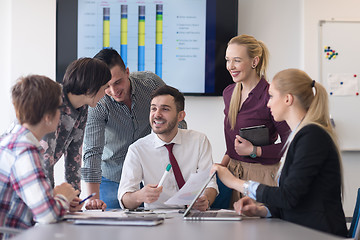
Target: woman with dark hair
point(84, 84)
point(25, 194)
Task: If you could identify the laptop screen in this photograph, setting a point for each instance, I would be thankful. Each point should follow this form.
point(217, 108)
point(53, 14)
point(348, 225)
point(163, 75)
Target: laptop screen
point(198, 194)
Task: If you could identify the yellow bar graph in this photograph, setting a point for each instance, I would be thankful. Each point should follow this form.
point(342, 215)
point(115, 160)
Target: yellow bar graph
point(124, 31)
point(106, 28)
point(159, 31)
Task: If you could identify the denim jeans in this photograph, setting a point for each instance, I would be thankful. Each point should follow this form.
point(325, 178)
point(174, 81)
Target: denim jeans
point(108, 193)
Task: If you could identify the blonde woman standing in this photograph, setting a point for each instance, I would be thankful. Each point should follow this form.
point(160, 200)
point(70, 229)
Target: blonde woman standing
point(310, 183)
point(245, 106)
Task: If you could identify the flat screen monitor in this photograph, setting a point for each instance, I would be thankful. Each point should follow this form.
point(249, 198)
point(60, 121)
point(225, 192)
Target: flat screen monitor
point(182, 41)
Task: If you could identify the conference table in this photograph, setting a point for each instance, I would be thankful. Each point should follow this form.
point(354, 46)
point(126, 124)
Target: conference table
point(175, 228)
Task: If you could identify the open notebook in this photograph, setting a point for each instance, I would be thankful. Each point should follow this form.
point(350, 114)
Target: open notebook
point(209, 215)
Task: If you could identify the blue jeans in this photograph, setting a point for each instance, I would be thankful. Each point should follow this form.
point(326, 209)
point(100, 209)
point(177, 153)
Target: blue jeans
point(108, 193)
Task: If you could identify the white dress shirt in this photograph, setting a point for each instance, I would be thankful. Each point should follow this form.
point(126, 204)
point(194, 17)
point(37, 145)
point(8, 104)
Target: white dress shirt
point(147, 158)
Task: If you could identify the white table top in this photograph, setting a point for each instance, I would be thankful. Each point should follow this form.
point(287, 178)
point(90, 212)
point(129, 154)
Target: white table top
point(176, 229)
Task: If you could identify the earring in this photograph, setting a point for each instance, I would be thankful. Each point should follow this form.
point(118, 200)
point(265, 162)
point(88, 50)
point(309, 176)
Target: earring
point(49, 123)
point(253, 66)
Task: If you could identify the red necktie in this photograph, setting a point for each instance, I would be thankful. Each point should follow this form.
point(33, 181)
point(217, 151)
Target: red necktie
point(175, 166)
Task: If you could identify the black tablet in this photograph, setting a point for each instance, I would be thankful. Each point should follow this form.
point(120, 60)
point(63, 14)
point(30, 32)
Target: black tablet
point(257, 135)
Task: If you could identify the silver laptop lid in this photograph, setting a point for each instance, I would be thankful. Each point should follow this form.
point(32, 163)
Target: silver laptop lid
point(198, 194)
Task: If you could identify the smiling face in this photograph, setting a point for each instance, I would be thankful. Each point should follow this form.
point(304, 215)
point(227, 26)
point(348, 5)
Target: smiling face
point(277, 103)
point(164, 117)
point(119, 85)
point(238, 62)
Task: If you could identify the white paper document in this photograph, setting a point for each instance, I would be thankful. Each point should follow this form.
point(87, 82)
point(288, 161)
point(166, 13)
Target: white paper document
point(188, 192)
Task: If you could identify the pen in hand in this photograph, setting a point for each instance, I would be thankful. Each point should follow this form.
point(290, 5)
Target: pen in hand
point(90, 196)
point(164, 175)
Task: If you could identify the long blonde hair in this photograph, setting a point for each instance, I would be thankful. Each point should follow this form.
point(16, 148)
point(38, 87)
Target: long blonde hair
point(316, 104)
point(255, 48)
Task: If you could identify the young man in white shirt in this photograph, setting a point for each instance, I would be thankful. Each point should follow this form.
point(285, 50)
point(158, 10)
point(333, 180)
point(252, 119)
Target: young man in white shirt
point(148, 158)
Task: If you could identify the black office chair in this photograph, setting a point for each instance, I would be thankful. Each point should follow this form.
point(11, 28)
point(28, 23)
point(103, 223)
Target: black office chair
point(354, 230)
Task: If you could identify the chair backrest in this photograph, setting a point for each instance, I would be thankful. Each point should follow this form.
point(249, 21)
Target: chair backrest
point(354, 230)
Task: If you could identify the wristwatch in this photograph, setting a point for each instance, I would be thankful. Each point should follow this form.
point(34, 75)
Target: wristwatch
point(253, 153)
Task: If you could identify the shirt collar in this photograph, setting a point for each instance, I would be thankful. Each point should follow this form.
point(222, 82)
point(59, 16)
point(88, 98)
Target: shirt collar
point(132, 86)
point(260, 88)
point(29, 135)
point(159, 143)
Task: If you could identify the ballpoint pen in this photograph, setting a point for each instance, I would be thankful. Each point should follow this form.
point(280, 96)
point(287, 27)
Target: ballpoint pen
point(91, 195)
point(164, 175)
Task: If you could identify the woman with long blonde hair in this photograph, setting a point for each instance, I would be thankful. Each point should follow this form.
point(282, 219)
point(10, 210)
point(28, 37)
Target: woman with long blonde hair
point(245, 106)
point(310, 184)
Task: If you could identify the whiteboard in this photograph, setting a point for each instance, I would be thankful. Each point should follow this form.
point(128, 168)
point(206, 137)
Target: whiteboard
point(339, 45)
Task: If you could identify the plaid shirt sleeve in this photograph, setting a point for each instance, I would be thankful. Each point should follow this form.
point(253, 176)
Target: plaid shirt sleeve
point(29, 182)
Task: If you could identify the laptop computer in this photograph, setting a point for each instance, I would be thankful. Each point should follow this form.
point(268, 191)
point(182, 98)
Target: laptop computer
point(209, 215)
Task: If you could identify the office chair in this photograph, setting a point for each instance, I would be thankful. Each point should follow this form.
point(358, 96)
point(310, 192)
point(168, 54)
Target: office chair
point(354, 230)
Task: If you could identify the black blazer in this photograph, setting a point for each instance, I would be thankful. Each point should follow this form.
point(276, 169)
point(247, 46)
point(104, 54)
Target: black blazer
point(309, 191)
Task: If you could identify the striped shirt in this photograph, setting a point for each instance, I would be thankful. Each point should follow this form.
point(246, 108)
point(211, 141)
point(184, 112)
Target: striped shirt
point(26, 196)
point(111, 128)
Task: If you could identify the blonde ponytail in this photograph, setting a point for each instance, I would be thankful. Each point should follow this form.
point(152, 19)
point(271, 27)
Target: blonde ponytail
point(316, 104)
point(234, 105)
point(263, 61)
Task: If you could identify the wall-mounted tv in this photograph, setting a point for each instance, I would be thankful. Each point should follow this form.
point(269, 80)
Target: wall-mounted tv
point(182, 41)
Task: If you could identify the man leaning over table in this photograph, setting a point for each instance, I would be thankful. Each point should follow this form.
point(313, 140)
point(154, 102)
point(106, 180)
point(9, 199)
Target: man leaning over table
point(148, 158)
point(118, 120)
